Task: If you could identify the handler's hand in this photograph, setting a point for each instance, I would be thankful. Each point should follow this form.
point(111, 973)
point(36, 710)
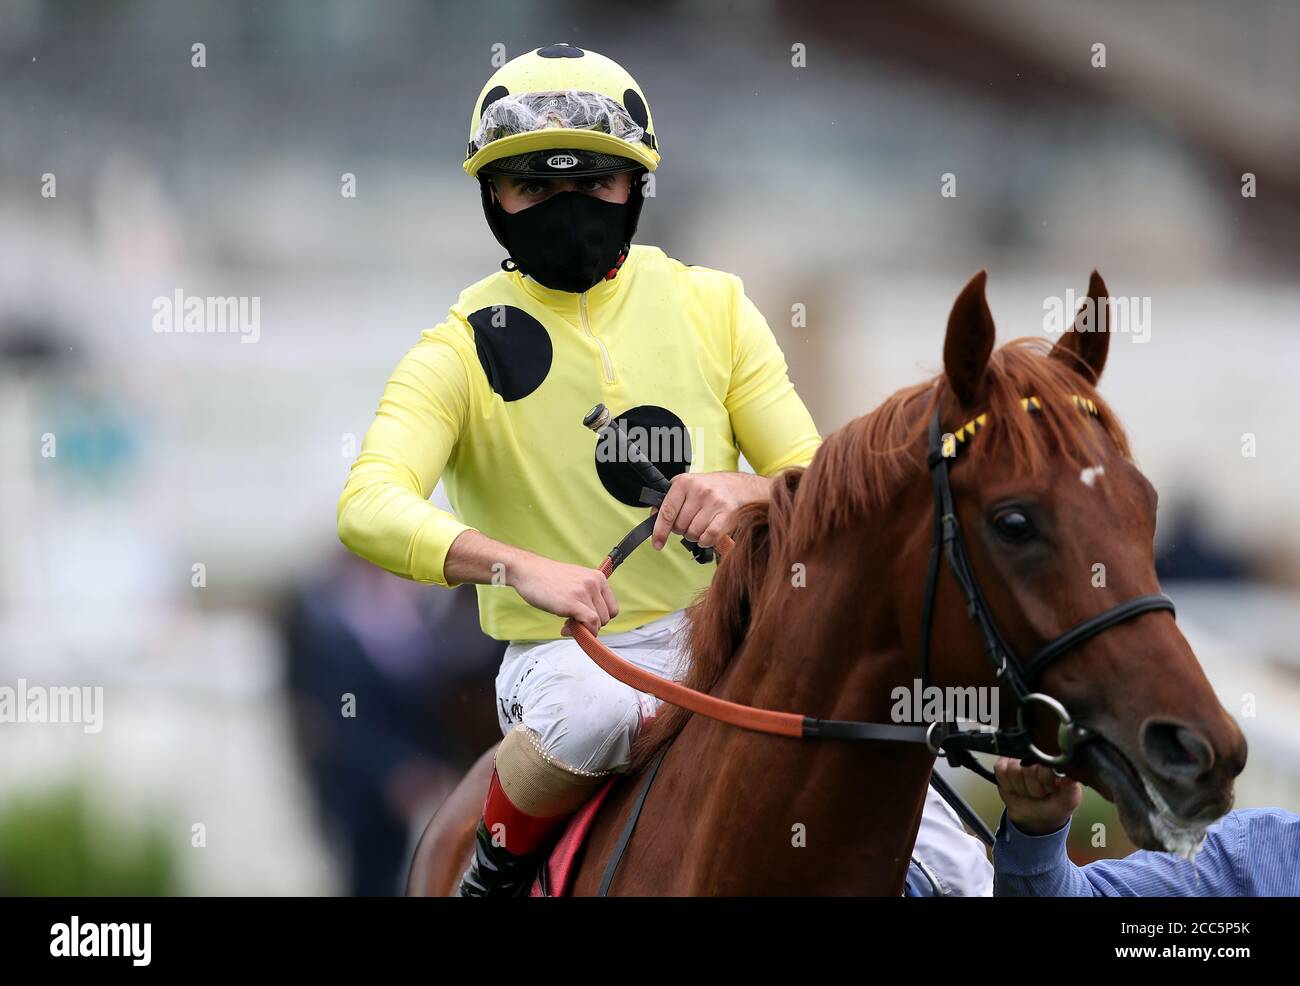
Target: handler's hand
point(702, 506)
point(565, 590)
point(1037, 800)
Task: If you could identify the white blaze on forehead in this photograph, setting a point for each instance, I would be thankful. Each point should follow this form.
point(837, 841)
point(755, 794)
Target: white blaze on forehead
point(1089, 476)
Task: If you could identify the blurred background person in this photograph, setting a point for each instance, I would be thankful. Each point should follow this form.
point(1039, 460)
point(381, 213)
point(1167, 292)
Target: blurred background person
point(385, 678)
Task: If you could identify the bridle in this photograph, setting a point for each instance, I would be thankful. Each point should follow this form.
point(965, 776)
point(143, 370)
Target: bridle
point(1020, 676)
point(943, 737)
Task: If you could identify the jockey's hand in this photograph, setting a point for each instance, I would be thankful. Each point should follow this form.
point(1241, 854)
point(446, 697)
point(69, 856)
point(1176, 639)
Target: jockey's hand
point(702, 506)
point(1037, 801)
point(565, 590)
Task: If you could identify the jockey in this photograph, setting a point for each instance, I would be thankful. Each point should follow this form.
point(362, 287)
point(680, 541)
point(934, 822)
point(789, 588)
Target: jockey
point(491, 401)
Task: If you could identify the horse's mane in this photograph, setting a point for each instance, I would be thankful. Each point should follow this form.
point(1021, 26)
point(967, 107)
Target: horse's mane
point(857, 469)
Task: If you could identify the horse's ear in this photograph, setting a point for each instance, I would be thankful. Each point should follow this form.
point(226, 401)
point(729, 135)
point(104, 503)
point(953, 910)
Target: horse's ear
point(1084, 347)
point(969, 343)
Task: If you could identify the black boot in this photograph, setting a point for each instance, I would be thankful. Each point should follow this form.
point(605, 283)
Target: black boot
point(495, 872)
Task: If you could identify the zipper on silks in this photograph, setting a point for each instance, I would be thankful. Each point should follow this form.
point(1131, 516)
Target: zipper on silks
point(605, 361)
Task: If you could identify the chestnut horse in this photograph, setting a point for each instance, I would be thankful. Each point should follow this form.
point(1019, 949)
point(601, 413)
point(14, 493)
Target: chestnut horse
point(818, 609)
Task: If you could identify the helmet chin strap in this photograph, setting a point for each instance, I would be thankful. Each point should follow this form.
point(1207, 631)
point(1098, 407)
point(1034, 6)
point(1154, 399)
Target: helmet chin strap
point(492, 211)
point(490, 208)
point(635, 200)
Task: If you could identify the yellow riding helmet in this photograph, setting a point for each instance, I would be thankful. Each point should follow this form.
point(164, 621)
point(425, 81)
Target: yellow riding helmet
point(562, 97)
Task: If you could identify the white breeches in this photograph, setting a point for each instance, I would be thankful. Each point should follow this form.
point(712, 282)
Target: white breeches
point(582, 716)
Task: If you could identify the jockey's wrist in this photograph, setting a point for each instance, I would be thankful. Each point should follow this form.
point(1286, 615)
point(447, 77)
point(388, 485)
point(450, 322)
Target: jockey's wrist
point(759, 487)
point(476, 558)
point(518, 564)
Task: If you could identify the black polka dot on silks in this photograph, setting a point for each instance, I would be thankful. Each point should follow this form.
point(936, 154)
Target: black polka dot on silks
point(561, 51)
point(635, 107)
point(664, 439)
point(514, 350)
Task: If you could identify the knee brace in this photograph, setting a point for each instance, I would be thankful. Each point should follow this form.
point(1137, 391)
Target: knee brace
point(539, 784)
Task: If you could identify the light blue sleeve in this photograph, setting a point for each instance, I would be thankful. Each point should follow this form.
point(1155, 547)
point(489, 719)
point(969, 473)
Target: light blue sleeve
point(1037, 866)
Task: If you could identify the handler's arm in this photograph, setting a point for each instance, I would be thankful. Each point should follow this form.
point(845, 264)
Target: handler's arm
point(1037, 866)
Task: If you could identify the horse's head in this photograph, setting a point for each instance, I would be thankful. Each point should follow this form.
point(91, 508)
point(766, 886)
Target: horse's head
point(1059, 525)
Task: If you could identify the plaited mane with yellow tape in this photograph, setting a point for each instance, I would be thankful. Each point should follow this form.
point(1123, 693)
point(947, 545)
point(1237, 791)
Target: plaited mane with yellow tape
point(1032, 403)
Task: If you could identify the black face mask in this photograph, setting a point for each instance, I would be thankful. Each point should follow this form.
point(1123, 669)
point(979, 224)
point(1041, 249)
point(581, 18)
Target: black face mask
point(567, 242)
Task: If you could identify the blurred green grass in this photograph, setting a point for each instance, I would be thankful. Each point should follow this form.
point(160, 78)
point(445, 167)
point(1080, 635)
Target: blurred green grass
point(53, 843)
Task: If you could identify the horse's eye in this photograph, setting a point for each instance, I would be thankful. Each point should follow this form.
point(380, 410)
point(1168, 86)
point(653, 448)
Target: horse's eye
point(1013, 526)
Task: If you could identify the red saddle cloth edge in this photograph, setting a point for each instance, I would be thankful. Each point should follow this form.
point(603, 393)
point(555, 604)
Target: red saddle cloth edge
point(562, 861)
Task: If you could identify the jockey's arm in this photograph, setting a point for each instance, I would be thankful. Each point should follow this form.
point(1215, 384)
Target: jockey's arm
point(384, 513)
point(771, 425)
point(554, 586)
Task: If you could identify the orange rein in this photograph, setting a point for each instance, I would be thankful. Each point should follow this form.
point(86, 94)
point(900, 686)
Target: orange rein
point(744, 716)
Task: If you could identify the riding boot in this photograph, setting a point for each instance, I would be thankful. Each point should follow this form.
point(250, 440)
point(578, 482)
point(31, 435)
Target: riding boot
point(495, 871)
point(530, 797)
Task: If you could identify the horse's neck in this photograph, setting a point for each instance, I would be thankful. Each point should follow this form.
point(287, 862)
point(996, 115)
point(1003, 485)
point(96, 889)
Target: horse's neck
point(778, 815)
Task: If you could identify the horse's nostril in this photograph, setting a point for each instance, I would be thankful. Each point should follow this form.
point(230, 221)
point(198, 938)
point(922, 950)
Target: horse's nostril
point(1176, 752)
